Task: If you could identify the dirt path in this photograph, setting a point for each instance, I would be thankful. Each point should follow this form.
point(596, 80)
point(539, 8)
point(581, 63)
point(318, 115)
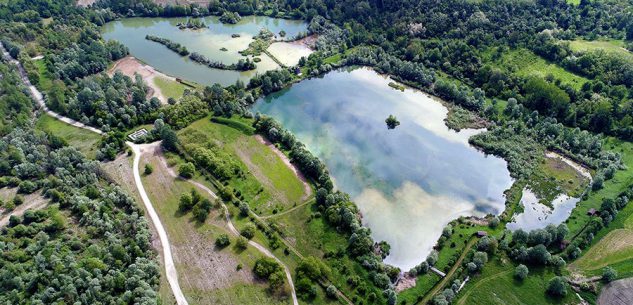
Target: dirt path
point(130, 65)
point(427, 298)
point(172, 275)
point(287, 211)
point(39, 98)
point(307, 190)
point(234, 230)
point(31, 202)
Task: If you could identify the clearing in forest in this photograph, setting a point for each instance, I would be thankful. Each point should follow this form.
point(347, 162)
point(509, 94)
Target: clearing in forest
point(525, 63)
point(265, 181)
point(84, 140)
point(207, 274)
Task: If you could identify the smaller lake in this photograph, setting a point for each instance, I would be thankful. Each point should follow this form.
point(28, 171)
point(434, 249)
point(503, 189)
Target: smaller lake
point(408, 182)
point(536, 215)
point(131, 32)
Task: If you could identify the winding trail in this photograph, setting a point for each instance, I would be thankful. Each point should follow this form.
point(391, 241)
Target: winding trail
point(229, 223)
point(39, 97)
point(170, 268)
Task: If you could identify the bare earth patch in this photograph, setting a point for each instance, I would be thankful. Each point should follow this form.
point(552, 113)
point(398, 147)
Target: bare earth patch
point(203, 267)
point(130, 66)
point(33, 201)
point(85, 3)
point(617, 293)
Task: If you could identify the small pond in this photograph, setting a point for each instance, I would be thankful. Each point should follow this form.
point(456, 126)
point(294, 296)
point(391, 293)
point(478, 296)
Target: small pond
point(131, 32)
point(408, 182)
point(537, 215)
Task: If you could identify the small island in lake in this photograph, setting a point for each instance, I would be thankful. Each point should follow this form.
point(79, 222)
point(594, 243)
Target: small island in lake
point(392, 122)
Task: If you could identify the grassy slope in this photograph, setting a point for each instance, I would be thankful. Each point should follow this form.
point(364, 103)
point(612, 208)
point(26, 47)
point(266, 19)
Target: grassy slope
point(612, 46)
point(496, 285)
point(282, 189)
point(169, 88)
point(612, 246)
point(613, 187)
point(525, 63)
point(182, 230)
point(46, 81)
point(86, 141)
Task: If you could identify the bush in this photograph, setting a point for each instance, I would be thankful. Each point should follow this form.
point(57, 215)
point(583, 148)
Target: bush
point(222, 241)
point(241, 243)
point(557, 287)
point(148, 169)
point(331, 292)
point(609, 274)
point(249, 230)
point(18, 200)
point(186, 170)
point(521, 272)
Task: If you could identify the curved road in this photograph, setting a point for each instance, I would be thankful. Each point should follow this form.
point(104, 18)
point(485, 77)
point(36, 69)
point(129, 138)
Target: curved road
point(172, 275)
point(232, 228)
point(39, 98)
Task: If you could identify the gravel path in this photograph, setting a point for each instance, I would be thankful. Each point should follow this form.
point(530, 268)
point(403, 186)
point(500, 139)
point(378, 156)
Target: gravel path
point(232, 228)
point(39, 98)
point(172, 275)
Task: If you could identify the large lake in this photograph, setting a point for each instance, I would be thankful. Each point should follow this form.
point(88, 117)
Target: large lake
point(408, 182)
point(131, 32)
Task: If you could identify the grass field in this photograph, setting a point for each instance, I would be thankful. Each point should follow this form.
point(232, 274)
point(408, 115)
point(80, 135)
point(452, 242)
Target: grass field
point(207, 275)
point(46, 80)
point(269, 185)
point(169, 88)
point(525, 63)
point(612, 246)
point(611, 46)
point(612, 188)
point(86, 141)
point(496, 285)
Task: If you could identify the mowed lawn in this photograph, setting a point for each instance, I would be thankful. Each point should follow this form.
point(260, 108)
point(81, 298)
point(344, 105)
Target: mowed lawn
point(207, 274)
point(525, 63)
point(497, 286)
point(269, 185)
point(85, 141)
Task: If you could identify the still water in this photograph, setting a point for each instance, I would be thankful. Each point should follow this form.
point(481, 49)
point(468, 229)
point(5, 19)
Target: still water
point(408, 182)
point(131, 32)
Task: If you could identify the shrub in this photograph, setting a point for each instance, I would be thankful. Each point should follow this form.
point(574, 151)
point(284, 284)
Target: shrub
point(249, 230)
point(148, 169)
point(222, 241)
point(241, 243)
point(609, 274)
point(186, 170)
point(521, 272)
point(557, 287)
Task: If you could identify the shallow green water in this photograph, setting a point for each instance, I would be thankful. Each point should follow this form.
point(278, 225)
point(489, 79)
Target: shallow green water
point(131, 32)
point(408, 182)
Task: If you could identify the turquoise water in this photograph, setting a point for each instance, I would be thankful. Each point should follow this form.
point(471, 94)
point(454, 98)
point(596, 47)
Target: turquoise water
point(408, 182)
point(131, 32)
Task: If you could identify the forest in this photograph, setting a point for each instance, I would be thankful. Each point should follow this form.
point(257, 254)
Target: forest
point(453, 49)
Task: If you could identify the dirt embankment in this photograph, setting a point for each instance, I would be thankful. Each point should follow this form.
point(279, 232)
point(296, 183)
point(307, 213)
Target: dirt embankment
point(130, 66)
